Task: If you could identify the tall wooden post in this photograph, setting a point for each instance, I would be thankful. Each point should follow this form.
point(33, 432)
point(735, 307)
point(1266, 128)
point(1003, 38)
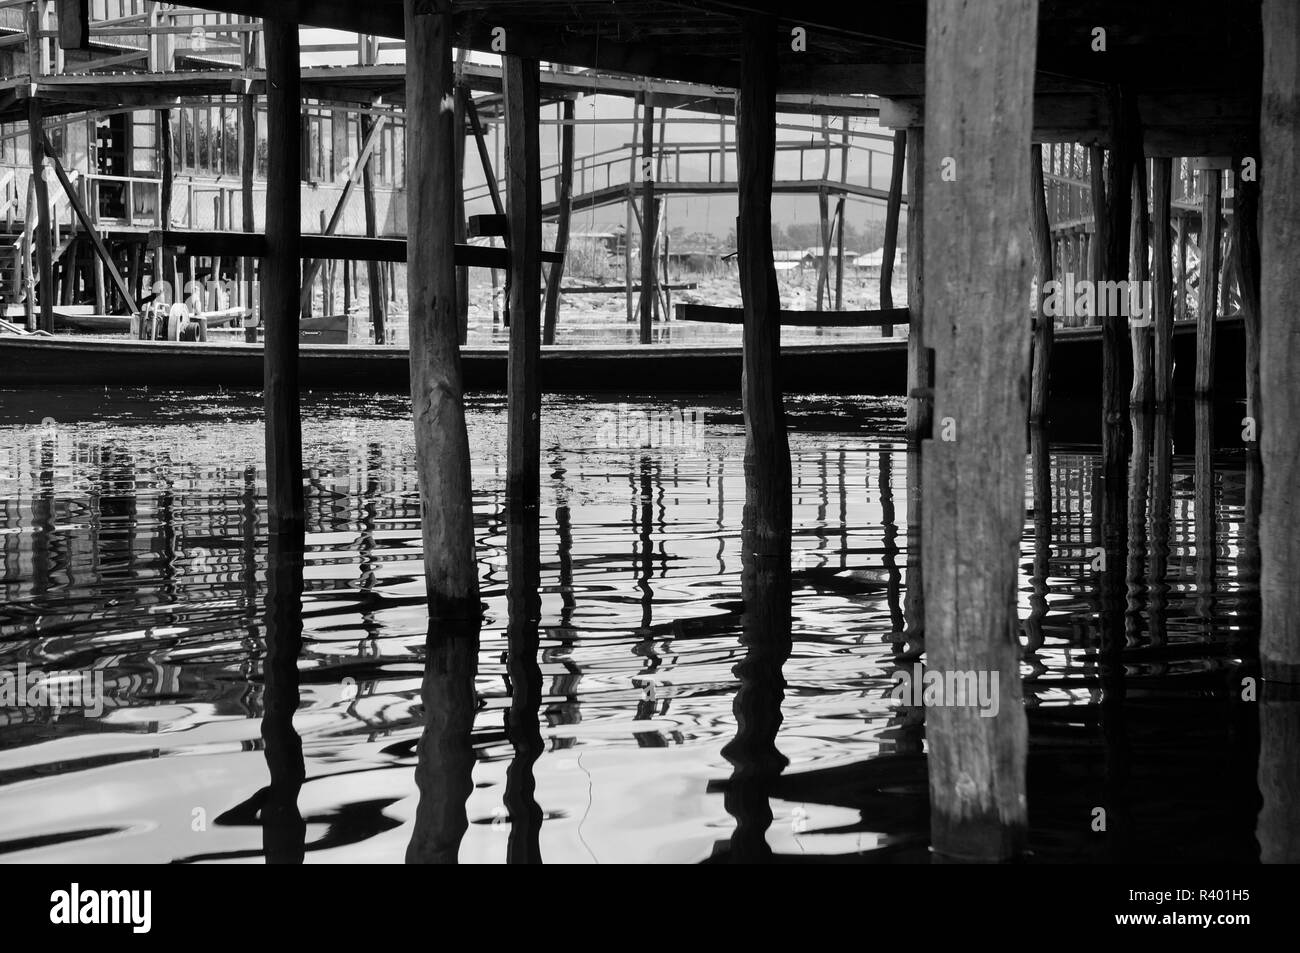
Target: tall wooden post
point(248, 222)
point(1245, 231)
point(919, 404)
point(441, 442)
point(281, 271)
point(462, 271)
point(648, 221)
point(974, 473)
point(373, 280)
point(41, 234)
point(892, 209)
point(767, 450)
point(1162, 284)
point(1207, 311)
point(1139, 271)
point(1045, 328)
point(524, 239)
point(555, 274)
point(1279, 343)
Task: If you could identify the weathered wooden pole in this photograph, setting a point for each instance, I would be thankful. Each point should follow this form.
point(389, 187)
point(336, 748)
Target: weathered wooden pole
point(441, 442)
point(978, 119)
point(1279, 344)
point(462, 271)
point(839, 258)
point(893, 206)
point(920, 402)
point(767, 449)
point(281, 275)
point(373, 281)
point(248, 220)
point(1208, 305)
point(1045, 325)
point(524, 238)
point(1140, 393)
point(1245, 231)
point(648, 221)
point(1162, 284)
point(555, 274)
point(41, 234)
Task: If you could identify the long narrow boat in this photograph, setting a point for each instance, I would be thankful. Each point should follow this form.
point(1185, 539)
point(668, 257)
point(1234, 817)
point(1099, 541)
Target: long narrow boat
point(869, 367)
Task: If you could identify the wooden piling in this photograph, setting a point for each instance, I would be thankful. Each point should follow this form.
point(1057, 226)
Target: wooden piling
point(1279, 343)
point(648, 221)
point(441, 441)
point(564, 190)
point(462, 95)
point(524, 239)
point(767, 450)
point(1245, 231)
point(248, 215)
point(1045, 325)
point(373, 281)
point(974, 474)
point(1140, 393)
point(919, 382)
point(41, 234)
point(280, 268)
point(1208, 306)
point(1162, 284)
point(893, 206)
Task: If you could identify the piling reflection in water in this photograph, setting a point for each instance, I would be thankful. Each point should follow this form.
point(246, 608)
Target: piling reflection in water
point(637, 681)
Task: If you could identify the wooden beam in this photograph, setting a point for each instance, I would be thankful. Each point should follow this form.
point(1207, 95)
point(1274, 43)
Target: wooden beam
point(979, 114)
point(73, 200)
point(884, 317)
point(248, 219)
point(373, 283)
point(1279, 370)
point(767, 449)
point(555, 274)
point(1140, 394)
point(485, 160)
point(920, 376)
point(206, 244)
point(461, 96)
point(1162, 284)
point(892, 208)
point(441, 440)
point(487, 226)
point(524, 211)
point(1207, 311)
point(1245, 231)
point(280, 280)
point(1045, 326)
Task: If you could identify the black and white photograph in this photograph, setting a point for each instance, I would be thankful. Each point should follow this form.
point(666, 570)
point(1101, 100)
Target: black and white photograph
point(651, 432)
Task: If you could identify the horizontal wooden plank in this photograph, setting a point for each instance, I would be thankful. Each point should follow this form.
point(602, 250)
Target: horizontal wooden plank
point(336, 247)
point(797, 319)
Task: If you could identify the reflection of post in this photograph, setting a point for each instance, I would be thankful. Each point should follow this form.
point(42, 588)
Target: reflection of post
point(1138, 473)
point(889, 534)
point(755, 759)
point(913, 580)
point(1042, 482)
point(524, 676)
point(1204, 510)
point(564, 530)
point(445, 756)
point(1278, 827)
point(283, 830)
point(1159, 522)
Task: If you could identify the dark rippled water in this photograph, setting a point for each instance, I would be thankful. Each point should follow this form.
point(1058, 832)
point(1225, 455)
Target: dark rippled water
point(650, 724)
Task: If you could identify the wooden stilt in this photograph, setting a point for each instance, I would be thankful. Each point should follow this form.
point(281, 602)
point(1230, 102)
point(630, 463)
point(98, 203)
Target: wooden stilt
point(1045, 324)
point(524, 218)
point(1140, 271)
point(767, 451)
point(1207, 311)
point(248, 216)
point(373, 281)
point(1181, 308)
point(1162, 284)
point(823, 260)
point(892, 209)
point(441, 441)
point(1245, 231)
point(280, 268)
point(462, 271)
point(1279, 343)
point(648, 221)
point(919, 379)
point(974, 474)
point(41, 234)
point(564, 191)
point(839, 259)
